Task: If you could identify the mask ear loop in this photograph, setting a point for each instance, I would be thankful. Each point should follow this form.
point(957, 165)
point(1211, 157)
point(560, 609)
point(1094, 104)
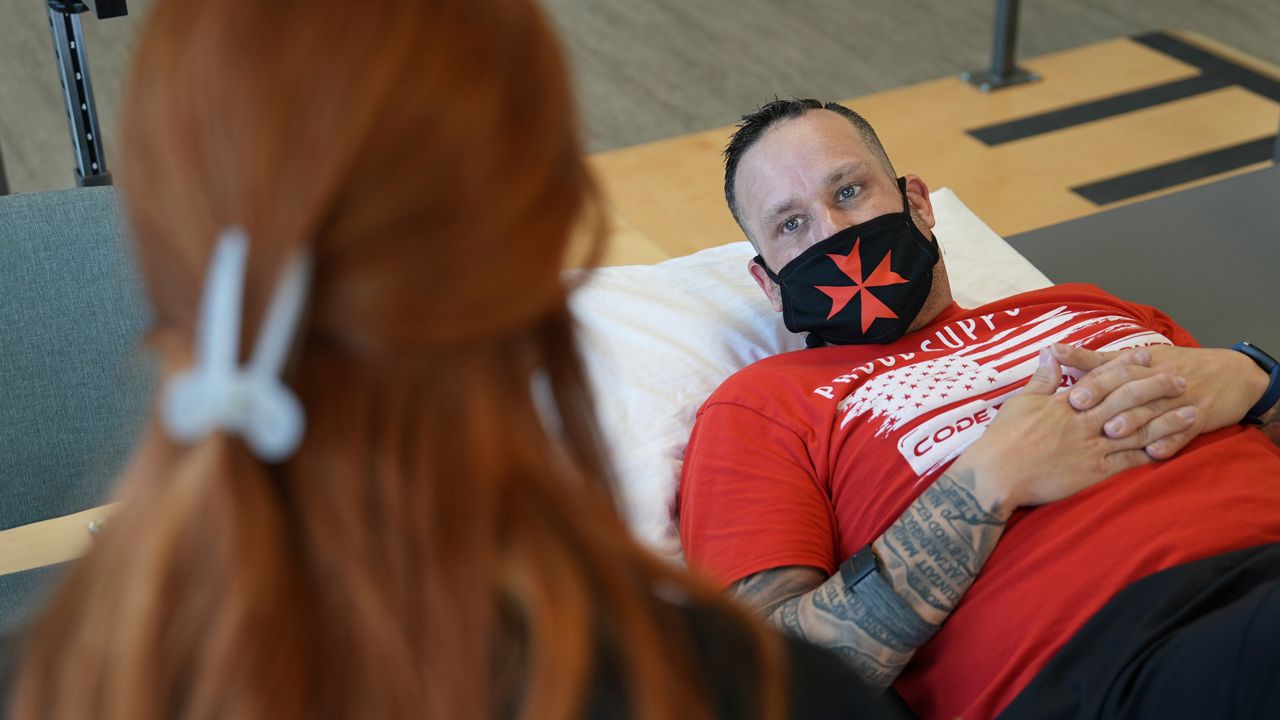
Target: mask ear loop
point(772, 275)
point(932, 243)
point(902, 189)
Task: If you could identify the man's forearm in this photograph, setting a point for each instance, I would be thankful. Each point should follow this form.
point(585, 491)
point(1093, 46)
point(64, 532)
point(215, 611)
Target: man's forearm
point(852, 626)
point(933, 553)
point(929, 558)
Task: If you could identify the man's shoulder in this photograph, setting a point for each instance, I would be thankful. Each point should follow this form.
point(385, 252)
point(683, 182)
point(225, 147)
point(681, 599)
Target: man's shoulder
point(1070, 297)
point(1085, 293)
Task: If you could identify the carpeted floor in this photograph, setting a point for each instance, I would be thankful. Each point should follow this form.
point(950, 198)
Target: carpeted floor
point(648, 69)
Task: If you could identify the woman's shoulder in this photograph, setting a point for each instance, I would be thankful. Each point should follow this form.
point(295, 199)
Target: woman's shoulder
point(10, 645)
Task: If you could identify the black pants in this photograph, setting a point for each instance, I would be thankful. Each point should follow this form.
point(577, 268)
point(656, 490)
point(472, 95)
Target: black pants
point(1200, 640)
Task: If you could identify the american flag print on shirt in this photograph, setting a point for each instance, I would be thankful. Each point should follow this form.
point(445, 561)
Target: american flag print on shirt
point(939, 400)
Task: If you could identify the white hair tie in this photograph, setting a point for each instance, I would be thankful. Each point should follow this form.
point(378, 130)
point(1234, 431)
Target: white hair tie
point(249, 401)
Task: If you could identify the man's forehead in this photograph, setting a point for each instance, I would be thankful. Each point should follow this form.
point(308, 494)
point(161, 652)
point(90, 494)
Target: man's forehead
point(798, 154)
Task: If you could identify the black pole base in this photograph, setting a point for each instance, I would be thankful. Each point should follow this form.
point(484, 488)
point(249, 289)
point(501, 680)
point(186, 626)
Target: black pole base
point(97, 180)
point(986, 81)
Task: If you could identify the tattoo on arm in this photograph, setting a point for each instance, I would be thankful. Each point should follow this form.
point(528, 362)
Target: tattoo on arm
point(871, 668)
point(825, 613)
point(929, 557)
point(766, 590)
point(935, 550)
point(787, 618)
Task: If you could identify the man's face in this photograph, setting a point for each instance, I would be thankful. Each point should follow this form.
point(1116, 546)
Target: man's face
point(810, 177)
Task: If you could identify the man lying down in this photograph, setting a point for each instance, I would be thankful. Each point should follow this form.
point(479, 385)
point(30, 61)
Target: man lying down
point(913, 491)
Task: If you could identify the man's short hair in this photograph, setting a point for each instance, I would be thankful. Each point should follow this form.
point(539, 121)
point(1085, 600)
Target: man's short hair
point(754, 125)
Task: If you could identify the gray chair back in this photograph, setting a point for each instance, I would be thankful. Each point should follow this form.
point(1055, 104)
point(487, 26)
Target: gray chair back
point(75, 383)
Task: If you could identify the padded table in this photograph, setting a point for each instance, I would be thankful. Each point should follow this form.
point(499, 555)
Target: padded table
point(1208, 256)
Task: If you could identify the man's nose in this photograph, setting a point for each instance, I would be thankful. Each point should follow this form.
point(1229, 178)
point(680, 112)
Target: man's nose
point(831, 221)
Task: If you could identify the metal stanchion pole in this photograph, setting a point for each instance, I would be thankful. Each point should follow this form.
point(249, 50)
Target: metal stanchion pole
point(1004, 40)
point(82, 112)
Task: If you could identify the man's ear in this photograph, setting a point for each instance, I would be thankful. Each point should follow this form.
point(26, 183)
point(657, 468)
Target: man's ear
point(918, 196)
point(770, 288)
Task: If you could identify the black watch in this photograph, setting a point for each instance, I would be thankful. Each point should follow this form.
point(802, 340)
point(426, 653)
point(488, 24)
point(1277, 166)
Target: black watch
point(1271, 367)
point(858, 567)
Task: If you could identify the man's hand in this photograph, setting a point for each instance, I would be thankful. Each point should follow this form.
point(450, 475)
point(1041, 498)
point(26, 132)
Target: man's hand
point(1221, 384)
point(1040, 449)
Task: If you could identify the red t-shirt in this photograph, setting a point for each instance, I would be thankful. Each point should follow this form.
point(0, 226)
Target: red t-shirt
point(806, 457)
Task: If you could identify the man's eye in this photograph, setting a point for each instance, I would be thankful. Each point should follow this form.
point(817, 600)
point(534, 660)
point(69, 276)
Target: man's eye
point(848, 192)
point(790, 225)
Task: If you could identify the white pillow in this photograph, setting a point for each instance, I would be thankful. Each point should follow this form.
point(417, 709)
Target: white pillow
point(658, 339)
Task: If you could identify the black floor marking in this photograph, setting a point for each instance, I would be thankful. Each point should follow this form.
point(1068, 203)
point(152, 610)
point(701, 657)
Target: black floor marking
point(1177, 172)
point(1096, 110)
point(1215, 73)
point(1211, 64)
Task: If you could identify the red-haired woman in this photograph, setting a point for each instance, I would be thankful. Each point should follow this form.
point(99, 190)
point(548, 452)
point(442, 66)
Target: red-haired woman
point(371, 487)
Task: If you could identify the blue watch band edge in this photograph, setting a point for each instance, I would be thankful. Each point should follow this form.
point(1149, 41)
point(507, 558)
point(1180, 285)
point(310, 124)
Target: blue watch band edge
point(1269, 398)
point(1271, 395)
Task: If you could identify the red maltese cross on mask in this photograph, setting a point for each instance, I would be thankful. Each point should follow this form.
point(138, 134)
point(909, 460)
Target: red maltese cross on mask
point(851, 266)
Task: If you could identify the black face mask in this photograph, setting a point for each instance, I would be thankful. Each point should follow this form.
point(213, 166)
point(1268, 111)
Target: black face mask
point(865, 284)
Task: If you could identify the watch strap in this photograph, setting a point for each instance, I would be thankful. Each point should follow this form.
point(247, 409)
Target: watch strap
point(857, 567)
point(1271, 395)
point(878, 608)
